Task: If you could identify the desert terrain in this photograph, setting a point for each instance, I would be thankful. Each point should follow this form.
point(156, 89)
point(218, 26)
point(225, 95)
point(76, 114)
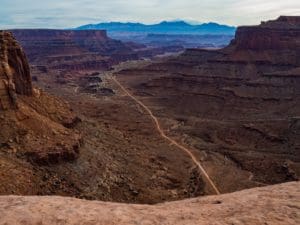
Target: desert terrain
point(88, 116)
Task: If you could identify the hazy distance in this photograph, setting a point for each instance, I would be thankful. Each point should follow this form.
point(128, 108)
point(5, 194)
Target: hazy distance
point(73, 13)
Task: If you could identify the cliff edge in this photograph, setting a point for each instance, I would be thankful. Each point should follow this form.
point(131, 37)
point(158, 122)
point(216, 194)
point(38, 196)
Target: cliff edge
point(35, 127)
point(14, 71)
point(278, 204)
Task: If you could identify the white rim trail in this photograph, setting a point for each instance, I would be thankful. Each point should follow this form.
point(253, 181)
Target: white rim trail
point(172, 141)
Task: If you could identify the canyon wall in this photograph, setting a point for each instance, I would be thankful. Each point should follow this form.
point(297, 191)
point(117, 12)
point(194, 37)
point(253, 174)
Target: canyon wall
point(35, 128)
point(14, 71)
point(273, 42)
point(58, 49)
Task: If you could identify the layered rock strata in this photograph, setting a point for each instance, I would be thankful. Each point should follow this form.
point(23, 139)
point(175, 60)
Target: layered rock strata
point(239, 106)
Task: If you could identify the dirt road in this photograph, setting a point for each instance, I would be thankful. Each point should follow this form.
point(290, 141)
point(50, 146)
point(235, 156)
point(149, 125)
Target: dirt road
point(169, 139)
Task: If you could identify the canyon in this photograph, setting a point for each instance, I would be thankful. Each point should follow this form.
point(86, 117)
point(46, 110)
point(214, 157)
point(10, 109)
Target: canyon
point(53, 149)
point(91, 118)
point(238, 107)
point(75, 50)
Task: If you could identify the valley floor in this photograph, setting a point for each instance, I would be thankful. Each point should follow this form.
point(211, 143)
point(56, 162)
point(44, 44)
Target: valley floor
point(124, 158)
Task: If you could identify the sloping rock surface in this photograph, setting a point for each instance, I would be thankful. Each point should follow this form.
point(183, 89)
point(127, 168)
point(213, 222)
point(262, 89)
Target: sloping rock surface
point(14, 71)
point(269, 205)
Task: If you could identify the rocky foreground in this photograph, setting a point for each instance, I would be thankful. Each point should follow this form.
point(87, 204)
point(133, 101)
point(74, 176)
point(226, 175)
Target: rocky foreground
point(278, 204)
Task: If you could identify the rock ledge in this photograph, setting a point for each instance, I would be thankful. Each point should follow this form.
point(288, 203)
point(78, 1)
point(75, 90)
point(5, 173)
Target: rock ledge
point(279, 204)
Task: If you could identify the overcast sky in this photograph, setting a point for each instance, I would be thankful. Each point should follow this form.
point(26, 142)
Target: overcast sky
point(73, 13)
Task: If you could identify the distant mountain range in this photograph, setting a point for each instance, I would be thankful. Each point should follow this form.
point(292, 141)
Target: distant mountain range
point(165, 27)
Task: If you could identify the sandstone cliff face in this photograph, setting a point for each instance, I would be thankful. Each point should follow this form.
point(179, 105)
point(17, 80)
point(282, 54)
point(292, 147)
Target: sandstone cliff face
point(283, 21)
point(267, 38)
point(269, 205)
point(14, 71)
point(45, 46)
point(33, 125)
point(274, 42)
point(43, 43)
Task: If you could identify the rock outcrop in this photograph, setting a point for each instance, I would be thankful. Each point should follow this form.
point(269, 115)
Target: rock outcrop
point(33, 124)
point(273, 42)
point(282, 33)
point(14, 72)
point(269, 205)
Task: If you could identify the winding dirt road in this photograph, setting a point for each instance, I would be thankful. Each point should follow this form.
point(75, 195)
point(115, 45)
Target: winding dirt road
point(169, 139)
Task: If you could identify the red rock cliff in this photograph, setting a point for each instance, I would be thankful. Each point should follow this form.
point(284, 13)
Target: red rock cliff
point(276, 41)
point(90, 50)
point(41, 42)
point(269, 35)
point(27, 117)
point(14, 71)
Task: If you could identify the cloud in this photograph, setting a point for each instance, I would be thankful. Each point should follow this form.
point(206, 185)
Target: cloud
point(72, 13)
